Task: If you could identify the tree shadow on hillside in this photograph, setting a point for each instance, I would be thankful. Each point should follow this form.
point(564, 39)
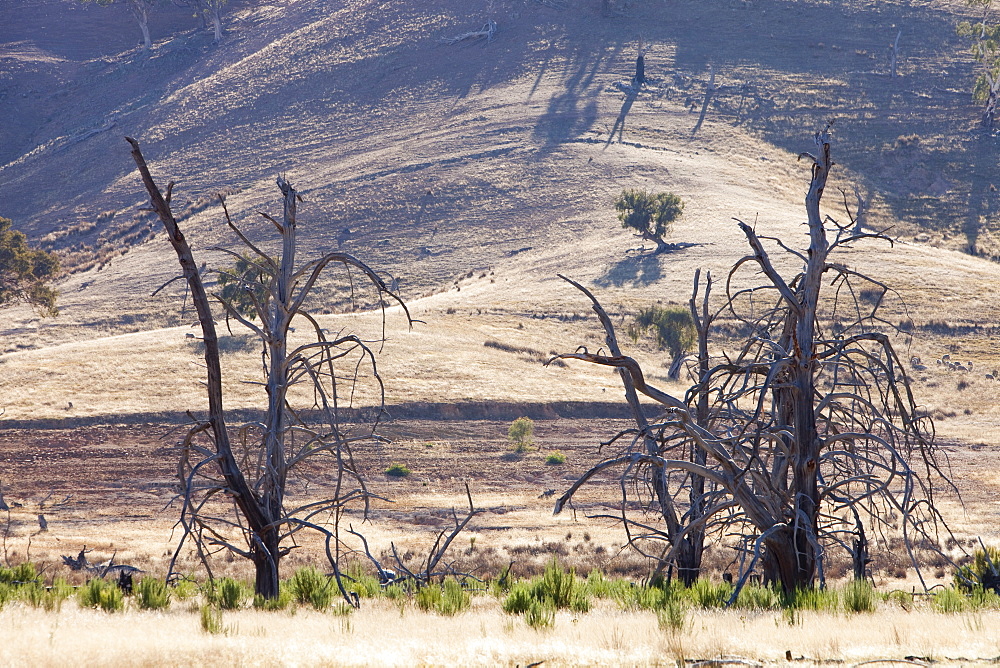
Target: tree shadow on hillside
point(620, 122)
point(638, 270)
point(574, 110)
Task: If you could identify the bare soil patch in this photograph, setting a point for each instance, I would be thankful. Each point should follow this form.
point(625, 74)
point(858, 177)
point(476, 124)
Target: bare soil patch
point(110, 488)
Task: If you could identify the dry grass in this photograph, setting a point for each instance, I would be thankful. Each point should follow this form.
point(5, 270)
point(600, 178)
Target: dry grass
point(383, 634)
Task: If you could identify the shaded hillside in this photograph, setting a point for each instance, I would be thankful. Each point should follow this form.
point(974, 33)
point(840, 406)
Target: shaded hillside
point(438, 161)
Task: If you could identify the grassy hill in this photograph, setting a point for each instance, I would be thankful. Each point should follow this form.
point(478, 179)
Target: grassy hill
point(474, 172)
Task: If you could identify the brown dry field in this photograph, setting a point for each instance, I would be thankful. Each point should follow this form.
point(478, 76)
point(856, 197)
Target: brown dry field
point(111, 489)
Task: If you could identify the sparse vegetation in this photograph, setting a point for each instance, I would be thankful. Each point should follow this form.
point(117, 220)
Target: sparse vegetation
point(152, 594)
point(650, 215)
point(673, 328)
point(26, 273)
point(211, 619)
point(521, 433)
point(397, 470)
point(514, 187)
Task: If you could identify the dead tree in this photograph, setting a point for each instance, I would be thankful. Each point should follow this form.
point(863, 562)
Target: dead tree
point(894, 55)
point(665, 487)
point(639, 79)
point(811, 421)
point(234, 489)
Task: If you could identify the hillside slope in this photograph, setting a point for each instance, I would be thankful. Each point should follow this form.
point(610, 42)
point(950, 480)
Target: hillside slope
point(431, 159)
point(472, 172)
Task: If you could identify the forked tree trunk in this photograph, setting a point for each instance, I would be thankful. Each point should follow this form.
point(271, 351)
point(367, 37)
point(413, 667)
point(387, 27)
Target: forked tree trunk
point(140, 10)
point(690, 557)
point(264, 547)
point(216, 24)
point(791, 555)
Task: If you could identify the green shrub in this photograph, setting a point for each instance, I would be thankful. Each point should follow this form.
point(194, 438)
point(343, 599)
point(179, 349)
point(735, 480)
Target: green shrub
point(557, 584)
point(99, 593)
point(521, 432)
point(979, 573)
point(580, 601)
point(983, 598)
point(599, 586)
point(310, 587)
point(228, 594)
point(272, 604)
point(38, 595)
point(211, 619)
point(185, 589)
point(398, 471)
point(365, 585)
point(758, 597)
point(243, 285)
point(815, 599)
point(152, 594)
point(519, 599)
point(556, 588)
point(23, 573)
point(33, 594)
point(672, 616)
point(6, 593)
point(394, 592)
point(454, 598)
point(706, 594)
point(448, 599)
point(647, 598)
point(555, 458)
point(649, 214)
point(540, 615)
point(858, 596)
point(949, 600)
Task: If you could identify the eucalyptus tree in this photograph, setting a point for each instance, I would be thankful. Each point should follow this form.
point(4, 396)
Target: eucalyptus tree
point(139, 10)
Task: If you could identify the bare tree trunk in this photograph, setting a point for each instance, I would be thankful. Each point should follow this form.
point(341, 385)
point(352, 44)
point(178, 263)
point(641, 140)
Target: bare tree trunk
point(265, 548)
point(216, 24)
point(861, 217)
point(894, 55)
point(690, 557)
point(140, 11)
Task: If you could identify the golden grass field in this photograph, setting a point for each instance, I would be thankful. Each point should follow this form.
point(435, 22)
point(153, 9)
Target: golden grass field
point(382, 634)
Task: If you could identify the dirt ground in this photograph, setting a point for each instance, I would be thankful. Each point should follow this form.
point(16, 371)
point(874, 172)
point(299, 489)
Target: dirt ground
point(111, 489)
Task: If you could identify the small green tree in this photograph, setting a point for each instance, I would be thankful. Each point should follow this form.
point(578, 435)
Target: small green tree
point(984, 37)
point(25, 272)
point(244, 285)
point(674, 331)
point(651, 215)
point(520, 432)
